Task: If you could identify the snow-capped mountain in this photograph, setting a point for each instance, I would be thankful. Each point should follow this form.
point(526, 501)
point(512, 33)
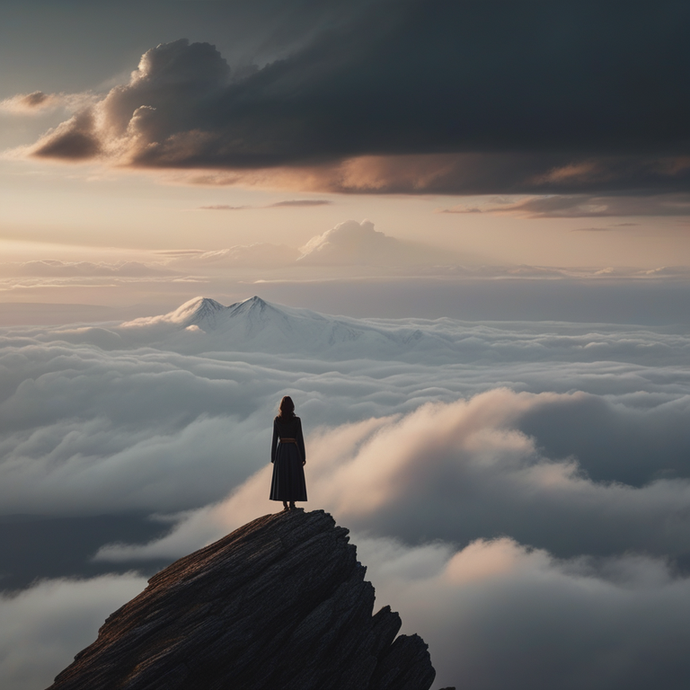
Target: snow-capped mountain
point(255, 324)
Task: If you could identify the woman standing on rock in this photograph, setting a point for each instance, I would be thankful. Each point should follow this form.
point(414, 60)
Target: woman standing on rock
point(288, 457)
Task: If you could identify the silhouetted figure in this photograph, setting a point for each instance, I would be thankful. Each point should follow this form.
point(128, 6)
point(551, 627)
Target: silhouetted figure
point(288, 456)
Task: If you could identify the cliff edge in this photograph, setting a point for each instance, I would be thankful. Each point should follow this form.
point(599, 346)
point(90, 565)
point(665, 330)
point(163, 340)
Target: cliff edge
point(280, 604)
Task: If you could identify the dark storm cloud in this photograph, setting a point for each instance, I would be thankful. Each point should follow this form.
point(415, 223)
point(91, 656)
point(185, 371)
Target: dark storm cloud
point(477, 96)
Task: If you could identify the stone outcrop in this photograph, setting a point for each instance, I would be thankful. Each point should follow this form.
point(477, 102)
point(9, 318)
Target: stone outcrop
point(279, 604)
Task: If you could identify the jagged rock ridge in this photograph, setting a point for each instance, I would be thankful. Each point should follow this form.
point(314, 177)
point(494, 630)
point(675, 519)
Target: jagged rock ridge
point(279, 604)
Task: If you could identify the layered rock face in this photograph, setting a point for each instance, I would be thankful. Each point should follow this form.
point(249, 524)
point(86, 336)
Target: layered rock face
point(279, 604)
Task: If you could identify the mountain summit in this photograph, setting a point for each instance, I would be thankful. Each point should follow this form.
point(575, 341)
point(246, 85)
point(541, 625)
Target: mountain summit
point(257, 325)
point(279, 604)
point(204, 311)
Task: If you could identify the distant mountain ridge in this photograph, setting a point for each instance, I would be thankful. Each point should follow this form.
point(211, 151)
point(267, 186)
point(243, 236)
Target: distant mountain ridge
point(205, 326)
point(274, 328)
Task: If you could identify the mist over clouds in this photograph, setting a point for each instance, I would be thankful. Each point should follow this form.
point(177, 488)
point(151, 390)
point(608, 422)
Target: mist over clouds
point(418, 97)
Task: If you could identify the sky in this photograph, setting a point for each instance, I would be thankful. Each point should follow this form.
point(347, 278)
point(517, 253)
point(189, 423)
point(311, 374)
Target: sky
point(503, 134)
point(494, 197)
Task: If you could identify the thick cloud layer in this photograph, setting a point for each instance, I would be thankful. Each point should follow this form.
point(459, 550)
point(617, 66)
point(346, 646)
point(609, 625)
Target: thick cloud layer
point(475, 96)
point(498, 615)
point(28, 102)
point(520, 492)
point(495, 614)
point(44, 627)
point(459, 472)
point(107, 418)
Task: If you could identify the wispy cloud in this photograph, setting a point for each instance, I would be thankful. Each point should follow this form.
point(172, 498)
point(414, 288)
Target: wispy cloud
point(291, 203)
point(301, 203)
point(71, 269)
point(224, 207)
point(585, 206)
point(39, 102)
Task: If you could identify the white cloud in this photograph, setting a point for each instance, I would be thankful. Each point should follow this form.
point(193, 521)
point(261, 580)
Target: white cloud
point(457, 472)
point(45, 626)
point(162, 418)
point(351, 242)
point(497, 614)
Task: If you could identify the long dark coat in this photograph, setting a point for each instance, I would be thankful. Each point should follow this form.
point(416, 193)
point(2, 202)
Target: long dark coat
point(288, 459)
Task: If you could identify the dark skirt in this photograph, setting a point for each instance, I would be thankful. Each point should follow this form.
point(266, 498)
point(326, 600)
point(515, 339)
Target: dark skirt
point(288, 475)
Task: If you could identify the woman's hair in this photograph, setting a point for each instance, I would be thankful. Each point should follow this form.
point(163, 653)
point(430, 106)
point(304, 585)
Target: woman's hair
point(287, 408)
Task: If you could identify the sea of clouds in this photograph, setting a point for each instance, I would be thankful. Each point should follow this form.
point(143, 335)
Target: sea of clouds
point(519, 492)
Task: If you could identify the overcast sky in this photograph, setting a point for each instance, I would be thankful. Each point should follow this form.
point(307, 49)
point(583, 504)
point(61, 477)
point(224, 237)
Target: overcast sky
point(506, 178)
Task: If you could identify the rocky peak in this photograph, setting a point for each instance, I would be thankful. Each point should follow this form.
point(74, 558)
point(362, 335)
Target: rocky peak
point(279, 604)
